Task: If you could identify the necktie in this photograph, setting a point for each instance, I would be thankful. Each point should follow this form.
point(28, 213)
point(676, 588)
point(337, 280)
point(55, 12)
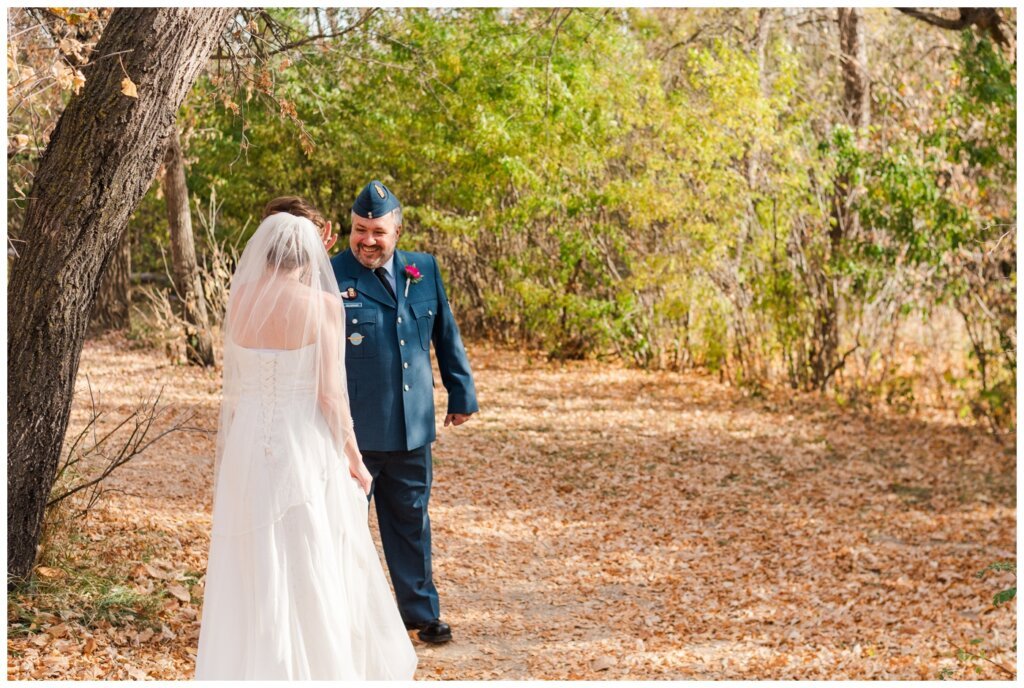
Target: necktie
point(382, 275)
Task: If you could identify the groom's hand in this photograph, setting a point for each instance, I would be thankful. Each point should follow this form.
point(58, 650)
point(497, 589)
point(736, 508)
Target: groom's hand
point(328, 238)
point(456, 418)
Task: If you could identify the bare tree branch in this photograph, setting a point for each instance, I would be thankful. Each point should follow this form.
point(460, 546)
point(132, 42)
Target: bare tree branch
point(987, 19)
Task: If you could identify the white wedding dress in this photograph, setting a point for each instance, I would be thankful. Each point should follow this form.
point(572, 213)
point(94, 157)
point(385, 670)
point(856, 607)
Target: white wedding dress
point(294, 586)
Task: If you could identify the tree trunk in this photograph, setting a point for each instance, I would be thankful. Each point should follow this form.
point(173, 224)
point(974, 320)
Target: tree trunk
point(101, 158)
point(853, 62)
point(198, 339)
point(112, 310)
point(764, 26)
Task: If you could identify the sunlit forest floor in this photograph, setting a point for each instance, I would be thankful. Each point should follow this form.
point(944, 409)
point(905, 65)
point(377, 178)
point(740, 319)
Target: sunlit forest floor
point(593, 522)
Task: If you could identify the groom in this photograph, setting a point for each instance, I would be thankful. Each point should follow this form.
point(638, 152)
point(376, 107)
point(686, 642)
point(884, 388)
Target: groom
point(395, 306)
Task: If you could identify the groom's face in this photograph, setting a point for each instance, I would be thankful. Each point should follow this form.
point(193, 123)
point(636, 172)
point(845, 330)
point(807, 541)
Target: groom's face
point(373, 241)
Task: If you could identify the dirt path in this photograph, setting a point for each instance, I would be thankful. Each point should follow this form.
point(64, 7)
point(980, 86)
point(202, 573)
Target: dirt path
point(601, 523)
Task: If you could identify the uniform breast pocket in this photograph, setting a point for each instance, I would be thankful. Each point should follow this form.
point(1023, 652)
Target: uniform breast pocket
point(424, 312)
point(360, 333)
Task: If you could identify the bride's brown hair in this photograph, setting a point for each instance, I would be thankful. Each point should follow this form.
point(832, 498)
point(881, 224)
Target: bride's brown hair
point(289, 254)
point(295, 205)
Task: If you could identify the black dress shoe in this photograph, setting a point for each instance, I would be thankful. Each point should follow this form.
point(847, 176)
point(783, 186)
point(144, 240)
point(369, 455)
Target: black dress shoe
point(436, 631)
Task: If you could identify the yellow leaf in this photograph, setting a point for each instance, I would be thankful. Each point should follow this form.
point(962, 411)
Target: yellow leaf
point(77, 81)
point(128, 88)
point(63, 74)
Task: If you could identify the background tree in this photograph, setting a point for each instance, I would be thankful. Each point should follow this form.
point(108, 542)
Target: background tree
point(98, 164)
point(198, 338)
point(655, 185)
point(112, 306)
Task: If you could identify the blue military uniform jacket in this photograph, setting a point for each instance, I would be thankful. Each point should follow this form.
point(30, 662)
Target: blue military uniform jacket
point(387, 353)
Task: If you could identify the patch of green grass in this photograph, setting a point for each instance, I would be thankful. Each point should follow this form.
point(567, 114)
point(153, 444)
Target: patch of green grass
point(84, 596)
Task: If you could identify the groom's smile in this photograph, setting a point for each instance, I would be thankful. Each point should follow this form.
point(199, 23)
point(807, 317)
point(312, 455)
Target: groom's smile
point(373, 241)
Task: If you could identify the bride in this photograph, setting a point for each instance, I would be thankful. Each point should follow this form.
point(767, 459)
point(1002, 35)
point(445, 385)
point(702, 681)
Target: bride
point(294, 586)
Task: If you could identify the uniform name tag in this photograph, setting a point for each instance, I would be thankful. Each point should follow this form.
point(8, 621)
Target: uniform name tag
point(354, 305)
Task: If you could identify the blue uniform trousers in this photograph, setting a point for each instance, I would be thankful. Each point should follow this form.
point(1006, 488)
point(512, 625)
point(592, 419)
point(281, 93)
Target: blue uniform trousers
point(401, 490)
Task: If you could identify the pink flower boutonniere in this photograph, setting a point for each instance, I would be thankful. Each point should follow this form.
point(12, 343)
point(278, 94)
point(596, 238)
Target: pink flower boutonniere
point(412, 276)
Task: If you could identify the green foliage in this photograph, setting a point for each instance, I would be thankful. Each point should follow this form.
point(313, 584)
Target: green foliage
point(940, 202)
point(588, 195)
point(1008, 594)
point(1004, 596)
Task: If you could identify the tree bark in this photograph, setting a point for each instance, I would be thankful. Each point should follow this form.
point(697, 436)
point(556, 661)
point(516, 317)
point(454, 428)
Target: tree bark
point(101, 158)
point(198, 339)
point(112, 310)
point(825, 359)
point(764, 25)
point(985, 18)
point(854, 63)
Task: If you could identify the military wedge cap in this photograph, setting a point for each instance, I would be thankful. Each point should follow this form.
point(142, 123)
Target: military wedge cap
point(375, 200)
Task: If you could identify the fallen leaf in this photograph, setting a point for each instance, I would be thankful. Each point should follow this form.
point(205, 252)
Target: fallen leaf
point(136, 673)
point(47, 572)
point(156, 572)
point(179, 592)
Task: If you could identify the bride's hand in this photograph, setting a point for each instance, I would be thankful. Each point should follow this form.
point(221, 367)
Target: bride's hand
point(357, 469)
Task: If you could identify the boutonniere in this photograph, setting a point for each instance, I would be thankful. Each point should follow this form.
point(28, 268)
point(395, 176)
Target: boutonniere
point(412, 276)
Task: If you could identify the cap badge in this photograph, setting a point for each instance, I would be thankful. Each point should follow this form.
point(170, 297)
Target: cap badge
point(380, 190)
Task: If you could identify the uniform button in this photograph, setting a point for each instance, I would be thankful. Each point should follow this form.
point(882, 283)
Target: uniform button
point(402, 342)
point(407, 388)
point(355, 320)
point(406, 364)
point(430, 312)
point(399, 320)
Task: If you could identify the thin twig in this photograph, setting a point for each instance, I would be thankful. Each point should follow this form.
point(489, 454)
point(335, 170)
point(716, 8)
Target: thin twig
point(1009, 672)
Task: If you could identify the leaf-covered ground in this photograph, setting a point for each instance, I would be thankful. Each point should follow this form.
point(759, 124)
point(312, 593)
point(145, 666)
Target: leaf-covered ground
point(595, 522)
